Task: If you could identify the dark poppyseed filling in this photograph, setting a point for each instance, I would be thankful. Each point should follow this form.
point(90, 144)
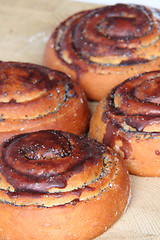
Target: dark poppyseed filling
point(39, 161)
point(150, 111)
point(77, 34)
point(30, 78)
point(116, 117)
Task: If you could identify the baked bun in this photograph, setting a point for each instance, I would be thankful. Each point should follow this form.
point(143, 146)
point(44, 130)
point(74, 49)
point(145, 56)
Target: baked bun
point(128, 120)
point(34, 98)
point(56, 185)
point(101, 48)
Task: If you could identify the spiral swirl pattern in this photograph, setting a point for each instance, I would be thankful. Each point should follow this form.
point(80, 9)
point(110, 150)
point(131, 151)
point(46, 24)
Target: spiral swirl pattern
point(50, 168)
point(105, 33)
point(112, 40)
point(134, 105)
point(131, 123)
point(34, 97)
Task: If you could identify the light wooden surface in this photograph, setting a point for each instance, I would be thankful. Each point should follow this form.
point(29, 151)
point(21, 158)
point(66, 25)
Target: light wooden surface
point(25, 26)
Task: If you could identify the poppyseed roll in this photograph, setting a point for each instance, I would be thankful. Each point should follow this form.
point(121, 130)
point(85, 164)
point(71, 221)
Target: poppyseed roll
point(34, 98)
point(128, 120)
point(100, 48)
point(57, 185)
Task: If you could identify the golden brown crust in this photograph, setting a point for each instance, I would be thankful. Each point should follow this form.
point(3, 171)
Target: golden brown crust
point(33, 98)
point(58, 183)
point(101, 48)
point(128, 120)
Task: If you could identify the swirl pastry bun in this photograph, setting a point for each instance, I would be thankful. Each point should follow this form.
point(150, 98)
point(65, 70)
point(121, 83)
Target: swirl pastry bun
point(56, 185)
point(34, 97)
point(128, 120)
point(102, 47)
